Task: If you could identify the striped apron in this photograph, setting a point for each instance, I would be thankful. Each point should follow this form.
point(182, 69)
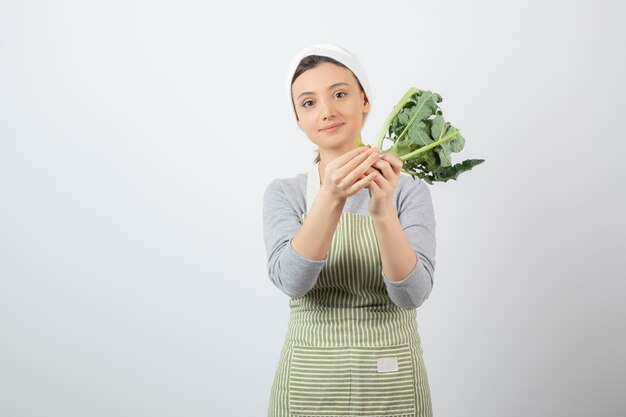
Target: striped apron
point(349, 350)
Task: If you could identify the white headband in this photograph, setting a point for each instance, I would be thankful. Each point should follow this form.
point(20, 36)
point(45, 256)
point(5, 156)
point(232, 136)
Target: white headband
point(338, 53)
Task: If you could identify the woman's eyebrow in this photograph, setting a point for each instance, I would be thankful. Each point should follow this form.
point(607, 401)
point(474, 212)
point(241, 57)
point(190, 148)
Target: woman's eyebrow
point(329, 88)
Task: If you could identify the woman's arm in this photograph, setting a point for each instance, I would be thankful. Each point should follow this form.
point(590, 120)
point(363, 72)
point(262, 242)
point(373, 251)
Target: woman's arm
point(416, 219)
point(343, 177)
point(313, 239)
point(297, 252)
point(396, 255)
point(292, 273)
point(406, 236)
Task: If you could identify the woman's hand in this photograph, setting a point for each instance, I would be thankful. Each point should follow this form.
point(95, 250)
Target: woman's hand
point(383, 185)
point(350, 173)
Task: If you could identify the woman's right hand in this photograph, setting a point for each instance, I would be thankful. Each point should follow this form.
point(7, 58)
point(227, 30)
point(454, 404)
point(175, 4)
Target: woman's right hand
point(343, 176)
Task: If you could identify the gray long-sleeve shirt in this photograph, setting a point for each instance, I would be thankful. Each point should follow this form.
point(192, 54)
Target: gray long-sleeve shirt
point(284, 202)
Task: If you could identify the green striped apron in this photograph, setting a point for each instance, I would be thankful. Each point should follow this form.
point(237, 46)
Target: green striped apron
point(349, 350)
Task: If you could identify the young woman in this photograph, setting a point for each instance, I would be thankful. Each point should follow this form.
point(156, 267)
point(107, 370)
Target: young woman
point(352, 243)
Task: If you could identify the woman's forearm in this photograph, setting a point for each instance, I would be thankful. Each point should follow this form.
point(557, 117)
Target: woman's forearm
point(314, 237)
point(397, 257)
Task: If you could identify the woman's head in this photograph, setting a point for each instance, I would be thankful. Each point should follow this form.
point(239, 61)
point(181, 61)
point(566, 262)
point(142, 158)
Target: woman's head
point(312, 61)
point(327, 86)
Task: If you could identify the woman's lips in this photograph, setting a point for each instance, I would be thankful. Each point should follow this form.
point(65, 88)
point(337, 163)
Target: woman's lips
point(332, 129)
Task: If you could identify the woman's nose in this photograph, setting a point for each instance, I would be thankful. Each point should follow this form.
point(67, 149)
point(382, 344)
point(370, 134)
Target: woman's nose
point(327, 108)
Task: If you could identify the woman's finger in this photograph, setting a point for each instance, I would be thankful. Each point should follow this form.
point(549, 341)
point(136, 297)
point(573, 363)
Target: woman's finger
point(396, 163)
point(357, 167)
point(369, 170)
point(346, 157)
point(385, 167)
point(364, 181)
point(354, 162)
point(374, 185)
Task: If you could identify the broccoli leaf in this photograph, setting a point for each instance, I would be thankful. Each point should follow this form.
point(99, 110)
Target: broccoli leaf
point(419, 134)
point(422, 138)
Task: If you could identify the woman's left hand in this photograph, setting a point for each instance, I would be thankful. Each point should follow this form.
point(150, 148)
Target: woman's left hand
point(383, 186)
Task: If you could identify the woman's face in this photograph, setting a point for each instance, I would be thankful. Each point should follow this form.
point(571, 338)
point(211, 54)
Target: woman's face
point(326, 95)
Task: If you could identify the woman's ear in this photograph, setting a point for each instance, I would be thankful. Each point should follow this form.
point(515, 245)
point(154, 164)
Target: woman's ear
point(366, 103)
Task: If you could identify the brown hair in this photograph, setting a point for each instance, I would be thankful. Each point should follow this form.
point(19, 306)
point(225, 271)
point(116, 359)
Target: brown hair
point(310, 62)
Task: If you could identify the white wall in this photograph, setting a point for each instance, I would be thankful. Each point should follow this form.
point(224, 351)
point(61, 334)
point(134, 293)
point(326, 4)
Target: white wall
point(137, 139)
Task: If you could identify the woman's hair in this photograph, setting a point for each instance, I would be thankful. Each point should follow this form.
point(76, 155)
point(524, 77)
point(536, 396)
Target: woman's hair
point(310, 62)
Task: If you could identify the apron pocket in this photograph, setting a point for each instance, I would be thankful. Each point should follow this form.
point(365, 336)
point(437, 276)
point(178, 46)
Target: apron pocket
point(356, 380)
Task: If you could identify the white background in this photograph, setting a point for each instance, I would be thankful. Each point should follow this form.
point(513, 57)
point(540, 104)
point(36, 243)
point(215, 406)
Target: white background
point(137, 139)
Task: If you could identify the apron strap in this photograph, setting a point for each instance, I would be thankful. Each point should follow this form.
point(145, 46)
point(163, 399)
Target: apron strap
point(312, 185)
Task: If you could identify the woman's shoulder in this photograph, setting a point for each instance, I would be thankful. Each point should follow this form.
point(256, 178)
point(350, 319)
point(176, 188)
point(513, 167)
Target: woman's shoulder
point(287, 188)
point(407, 182)
point(410, 189)
point(296, 181)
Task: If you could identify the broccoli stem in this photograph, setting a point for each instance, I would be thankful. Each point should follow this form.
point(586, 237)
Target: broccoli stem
point(429, 146)
point(378, 142)
point(411, 121)
point(383, 131)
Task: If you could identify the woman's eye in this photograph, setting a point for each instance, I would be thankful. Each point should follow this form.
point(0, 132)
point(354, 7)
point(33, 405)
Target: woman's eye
point(308, 101)
point(341, 92)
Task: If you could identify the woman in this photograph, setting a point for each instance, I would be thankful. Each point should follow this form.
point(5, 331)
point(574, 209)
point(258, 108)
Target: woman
point(352, 243)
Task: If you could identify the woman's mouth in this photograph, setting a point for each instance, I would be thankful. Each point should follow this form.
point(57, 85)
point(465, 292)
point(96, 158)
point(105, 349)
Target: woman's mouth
point(332, 128)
